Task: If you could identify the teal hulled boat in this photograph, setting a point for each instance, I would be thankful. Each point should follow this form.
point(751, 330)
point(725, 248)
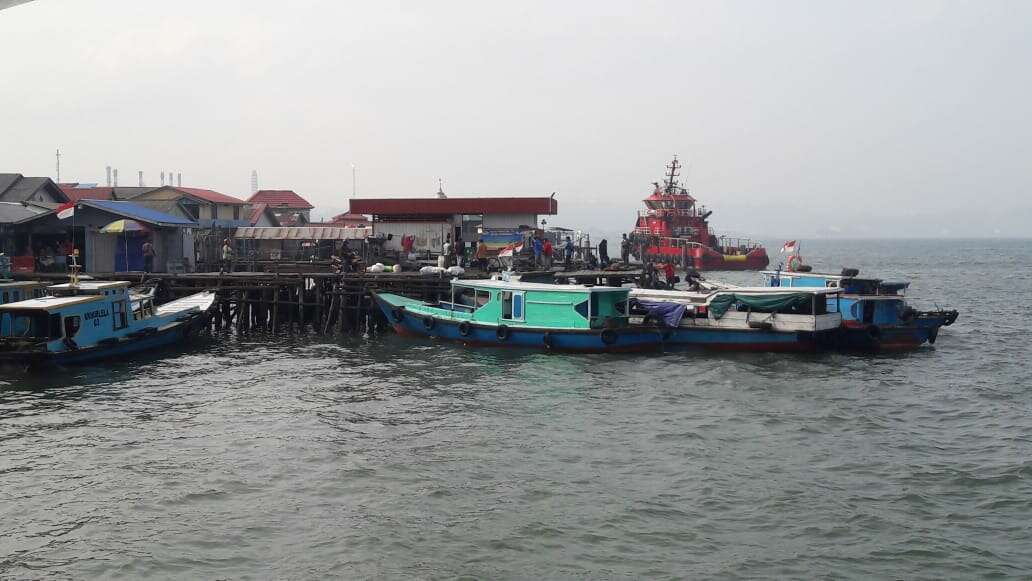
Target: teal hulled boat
point(522, 314)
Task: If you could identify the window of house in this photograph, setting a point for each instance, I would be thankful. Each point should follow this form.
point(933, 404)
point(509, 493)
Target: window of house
point(214, 211)
point(236, 212)
point(118, 315)
point(192, 209)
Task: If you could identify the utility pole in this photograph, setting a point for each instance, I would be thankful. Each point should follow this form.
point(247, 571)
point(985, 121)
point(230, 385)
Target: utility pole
point(354, 181)
point(58, 155)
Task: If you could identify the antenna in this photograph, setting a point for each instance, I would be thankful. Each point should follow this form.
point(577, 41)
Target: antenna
point(671, 181)
point(58, 156)
point(440, 189)
point(354, 181)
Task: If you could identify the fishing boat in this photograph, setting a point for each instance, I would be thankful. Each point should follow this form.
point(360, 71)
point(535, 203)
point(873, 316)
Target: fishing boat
point(84, 321)
point(513, 313)
point(742, 318)
point(674, 228)
point(875, 313)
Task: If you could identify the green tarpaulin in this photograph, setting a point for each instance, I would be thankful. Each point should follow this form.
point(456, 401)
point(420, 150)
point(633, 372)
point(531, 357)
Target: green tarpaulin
point(766, 303)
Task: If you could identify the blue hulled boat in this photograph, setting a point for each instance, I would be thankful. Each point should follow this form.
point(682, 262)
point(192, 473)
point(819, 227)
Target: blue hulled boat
point(743, 319)
point(80, 322)
point(875, 313)
point(521, 314)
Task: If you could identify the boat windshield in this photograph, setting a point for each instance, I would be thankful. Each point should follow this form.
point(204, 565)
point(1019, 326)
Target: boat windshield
point(30, 325)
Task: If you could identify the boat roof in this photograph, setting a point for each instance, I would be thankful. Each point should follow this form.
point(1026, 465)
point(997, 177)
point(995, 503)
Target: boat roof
point(88, 285)
point(536, 286)
point(887, 284)
point(741, 290)
point(50, 303)
point(22, 284)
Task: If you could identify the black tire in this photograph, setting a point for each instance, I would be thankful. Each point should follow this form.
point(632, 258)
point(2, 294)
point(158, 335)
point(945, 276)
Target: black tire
point(548, 340)
point(465, 328)
point(502, 333)
point(397, 315)
point(874, 332)
point(608, 336)
point(428, 323)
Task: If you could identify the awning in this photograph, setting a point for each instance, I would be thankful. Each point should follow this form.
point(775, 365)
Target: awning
point(302, 233)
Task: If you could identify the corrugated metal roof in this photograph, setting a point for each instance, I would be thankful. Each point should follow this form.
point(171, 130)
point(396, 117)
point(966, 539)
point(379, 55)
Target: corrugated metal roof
point(138, 212)
point(18, 212)
point(303, 233)
point(446, 206)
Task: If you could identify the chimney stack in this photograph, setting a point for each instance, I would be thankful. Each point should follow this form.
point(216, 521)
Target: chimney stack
point(162, 178)
point(140, 174)
point(108, 176)
point(116, 176)
point(179, 179)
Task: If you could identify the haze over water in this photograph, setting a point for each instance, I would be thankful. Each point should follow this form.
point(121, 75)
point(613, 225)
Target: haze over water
point(261, 457)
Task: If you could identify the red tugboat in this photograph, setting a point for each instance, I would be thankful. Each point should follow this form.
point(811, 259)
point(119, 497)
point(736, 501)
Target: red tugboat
point(674, 229)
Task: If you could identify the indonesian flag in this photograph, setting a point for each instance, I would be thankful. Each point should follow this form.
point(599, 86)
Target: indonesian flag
point(510, 249)
point(66, 211)
point(790, 247)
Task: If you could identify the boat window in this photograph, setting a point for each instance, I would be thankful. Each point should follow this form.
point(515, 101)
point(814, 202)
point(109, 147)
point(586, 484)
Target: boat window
point(30, 325)
point(473, 298)
point(512, 305)
point(6, 298)
point(868, 308)
point(71, 326)
point(118, 315)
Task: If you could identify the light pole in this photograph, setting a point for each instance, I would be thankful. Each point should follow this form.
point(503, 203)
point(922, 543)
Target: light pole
point(353, 181)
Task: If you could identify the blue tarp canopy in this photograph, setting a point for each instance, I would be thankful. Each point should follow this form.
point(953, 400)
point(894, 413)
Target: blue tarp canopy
point(670, 314)
point(137, 212)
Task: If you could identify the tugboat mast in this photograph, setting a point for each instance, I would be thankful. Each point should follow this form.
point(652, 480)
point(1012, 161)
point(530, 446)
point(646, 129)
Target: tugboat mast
point(671, 181)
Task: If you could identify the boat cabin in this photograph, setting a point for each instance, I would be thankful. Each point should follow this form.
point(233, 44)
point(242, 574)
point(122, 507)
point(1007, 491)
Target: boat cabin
point(84, 313)
point(868, 301)
point(14, 291)
point(515, 304)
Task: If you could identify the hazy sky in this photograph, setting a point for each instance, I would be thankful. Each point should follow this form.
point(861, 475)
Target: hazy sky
point(794, 119)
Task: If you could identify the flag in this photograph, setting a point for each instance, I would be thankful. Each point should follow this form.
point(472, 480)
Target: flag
point(510, 249)
point(789, 247)
point(66, 211)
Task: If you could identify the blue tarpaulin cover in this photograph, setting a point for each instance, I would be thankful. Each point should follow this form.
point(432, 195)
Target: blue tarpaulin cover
point(670, 314)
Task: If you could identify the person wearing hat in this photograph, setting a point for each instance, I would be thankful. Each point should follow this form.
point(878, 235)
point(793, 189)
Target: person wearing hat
point(227, 256)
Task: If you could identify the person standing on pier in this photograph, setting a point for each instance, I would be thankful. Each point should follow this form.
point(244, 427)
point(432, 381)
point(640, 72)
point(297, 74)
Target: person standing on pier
point(227, 257)
point(148, 256)
point(546, 251)
point(568, 251)
point(603, 253)
point(539, 247)
point(625, 250)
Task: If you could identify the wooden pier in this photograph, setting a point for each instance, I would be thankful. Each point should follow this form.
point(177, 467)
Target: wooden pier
point(320, 302)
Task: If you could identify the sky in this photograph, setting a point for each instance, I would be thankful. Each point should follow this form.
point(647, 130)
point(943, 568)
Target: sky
point(793, 119)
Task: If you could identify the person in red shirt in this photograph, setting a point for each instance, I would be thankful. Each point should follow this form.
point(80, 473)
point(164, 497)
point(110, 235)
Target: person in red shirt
point(546, 250)
point(668, 271)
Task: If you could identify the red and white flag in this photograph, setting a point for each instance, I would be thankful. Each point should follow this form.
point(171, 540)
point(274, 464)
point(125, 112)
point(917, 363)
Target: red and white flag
point(790, 247)
point(510, 249)
point(66, 211)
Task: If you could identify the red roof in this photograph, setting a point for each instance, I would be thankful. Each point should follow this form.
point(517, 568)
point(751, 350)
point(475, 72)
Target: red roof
point(280, 198)
point(75, 194)
point(446, 206)
point(210, 195)
point(256, 213)
point(348, 217)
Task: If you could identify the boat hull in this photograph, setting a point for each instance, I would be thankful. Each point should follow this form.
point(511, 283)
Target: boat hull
point(173, 334)
point(855, 336)
point(751, 340)
point(622, 340)
point(703, 258)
